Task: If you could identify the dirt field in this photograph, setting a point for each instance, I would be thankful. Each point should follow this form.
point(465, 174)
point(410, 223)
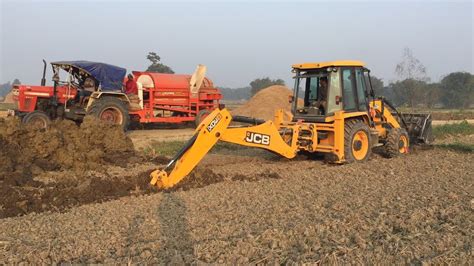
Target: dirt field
point(246, 206)
point(143, 138)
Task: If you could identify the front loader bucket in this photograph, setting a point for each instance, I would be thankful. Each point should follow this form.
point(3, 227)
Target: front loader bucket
point(418, 127)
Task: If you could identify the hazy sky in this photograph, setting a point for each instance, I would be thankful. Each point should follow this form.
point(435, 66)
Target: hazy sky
point(238, 41)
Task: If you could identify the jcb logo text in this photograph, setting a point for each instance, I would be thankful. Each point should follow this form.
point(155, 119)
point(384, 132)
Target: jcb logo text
point(214, 122)
point(257, 138)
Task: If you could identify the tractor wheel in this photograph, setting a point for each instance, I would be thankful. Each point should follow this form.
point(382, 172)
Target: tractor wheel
point(200, 116)
point(38, 119)
point(397, 142)
point(111, 110)
point(356, 141)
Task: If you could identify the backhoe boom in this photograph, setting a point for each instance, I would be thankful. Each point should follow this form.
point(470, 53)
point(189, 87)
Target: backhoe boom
point(215, 127)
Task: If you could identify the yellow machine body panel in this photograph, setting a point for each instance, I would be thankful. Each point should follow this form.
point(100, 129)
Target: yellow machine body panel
point(265, 136)
point(316, 65)
point(380, 116)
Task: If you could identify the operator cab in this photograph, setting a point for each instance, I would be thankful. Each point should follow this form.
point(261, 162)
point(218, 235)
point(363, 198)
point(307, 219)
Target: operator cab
point(329, 87)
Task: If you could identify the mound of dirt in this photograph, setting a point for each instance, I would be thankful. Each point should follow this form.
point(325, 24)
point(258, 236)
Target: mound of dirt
point(64, 165)
point(264, 104)
point(27, 150)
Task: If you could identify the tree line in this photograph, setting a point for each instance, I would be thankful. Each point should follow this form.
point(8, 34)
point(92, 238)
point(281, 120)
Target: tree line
point(414, 88)
point(455, 90)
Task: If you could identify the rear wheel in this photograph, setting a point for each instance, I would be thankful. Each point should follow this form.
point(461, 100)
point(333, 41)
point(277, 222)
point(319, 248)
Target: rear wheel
point(111, 110)
point(38, 119)
point(397, 142)
point(357, 147)
point(201, 116)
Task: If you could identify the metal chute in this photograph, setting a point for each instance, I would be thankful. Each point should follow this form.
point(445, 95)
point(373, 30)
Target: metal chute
point(197, 78)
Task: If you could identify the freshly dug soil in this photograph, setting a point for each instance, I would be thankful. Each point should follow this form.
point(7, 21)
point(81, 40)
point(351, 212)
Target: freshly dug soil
point(64, 155)
point(27, 150)
point(26, 195)
point(264, 104)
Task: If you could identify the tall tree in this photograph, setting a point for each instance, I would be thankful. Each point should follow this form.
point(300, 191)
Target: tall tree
point(413, 74)
point(458, 90)
point(432, 95)
point(156, 65)
point(258, 84)
point(407, 91)
point(377, 85)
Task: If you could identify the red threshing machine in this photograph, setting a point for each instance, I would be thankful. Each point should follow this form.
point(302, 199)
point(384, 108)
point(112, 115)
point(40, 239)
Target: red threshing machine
point(171, 98)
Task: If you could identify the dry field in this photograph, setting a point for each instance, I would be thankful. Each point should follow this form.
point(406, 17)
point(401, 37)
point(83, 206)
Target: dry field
point(239, 206)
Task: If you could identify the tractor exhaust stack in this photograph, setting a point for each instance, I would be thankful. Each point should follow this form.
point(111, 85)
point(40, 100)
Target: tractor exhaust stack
point(43, 80)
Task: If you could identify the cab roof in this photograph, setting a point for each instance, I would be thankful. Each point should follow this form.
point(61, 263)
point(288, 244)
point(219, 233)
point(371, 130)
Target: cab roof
point(339, 63)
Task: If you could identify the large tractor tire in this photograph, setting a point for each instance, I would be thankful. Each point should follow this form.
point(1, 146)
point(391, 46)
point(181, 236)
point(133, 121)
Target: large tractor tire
point(38, 119)
point(111, 110)
point(357, 143)
point(200, 116)
point(397, 142)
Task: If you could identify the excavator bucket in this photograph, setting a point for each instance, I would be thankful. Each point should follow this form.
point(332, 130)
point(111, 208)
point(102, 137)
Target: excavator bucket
point(418, 127)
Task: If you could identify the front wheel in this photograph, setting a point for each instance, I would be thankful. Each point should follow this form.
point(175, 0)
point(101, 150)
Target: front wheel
point(38, 119)
point(111, 110)
point(397, 142)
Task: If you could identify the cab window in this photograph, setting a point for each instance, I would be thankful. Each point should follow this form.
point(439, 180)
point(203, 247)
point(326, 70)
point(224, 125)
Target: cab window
point(348, 88)
point(361, 90)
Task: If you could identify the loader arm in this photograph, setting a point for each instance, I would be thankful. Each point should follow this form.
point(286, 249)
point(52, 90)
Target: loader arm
point(215, 127)
point(418, 125)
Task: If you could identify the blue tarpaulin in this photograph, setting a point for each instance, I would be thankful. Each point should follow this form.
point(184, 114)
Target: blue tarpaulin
point(110, 77)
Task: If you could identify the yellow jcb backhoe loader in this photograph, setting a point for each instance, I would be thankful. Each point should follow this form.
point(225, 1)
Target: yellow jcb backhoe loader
point(339, 117)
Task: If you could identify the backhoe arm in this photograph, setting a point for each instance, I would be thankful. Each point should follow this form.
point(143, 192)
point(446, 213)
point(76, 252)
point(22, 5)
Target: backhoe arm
point(215, 127)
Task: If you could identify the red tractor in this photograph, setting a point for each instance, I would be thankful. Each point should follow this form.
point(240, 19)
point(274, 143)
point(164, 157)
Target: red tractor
point(83, 88)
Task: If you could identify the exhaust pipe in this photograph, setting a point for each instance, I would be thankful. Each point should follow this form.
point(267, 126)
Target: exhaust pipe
point(43, 80)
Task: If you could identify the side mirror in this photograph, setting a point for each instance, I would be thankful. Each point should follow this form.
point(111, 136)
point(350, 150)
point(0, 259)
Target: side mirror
point(291, 98)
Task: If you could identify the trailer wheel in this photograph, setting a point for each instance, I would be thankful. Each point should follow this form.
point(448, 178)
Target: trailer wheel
point(200, 116)
point(111, 110)
point(38, 119)
point(397, 142)
point(357, 143)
